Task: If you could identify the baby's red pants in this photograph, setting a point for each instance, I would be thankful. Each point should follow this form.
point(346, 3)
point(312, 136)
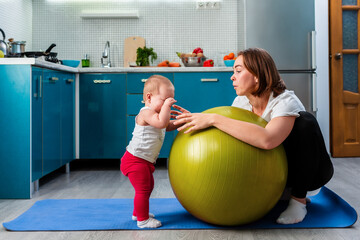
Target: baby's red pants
point(139, 172)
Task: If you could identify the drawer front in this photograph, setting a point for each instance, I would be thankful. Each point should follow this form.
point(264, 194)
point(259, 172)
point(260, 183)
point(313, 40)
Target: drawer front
point(134, 102)
point(135, 81)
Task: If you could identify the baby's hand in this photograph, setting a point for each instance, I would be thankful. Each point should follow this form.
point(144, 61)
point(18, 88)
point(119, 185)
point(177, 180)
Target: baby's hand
point(169, 101)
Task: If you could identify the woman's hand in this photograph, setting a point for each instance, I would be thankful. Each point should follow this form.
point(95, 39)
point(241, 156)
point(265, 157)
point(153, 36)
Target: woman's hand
point(175, 113)
point(194, 121)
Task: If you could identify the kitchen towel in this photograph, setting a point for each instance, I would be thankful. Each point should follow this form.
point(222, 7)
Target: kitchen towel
point(326, 210)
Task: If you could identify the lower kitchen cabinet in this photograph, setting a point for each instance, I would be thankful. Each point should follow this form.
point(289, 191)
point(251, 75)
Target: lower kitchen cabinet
point(110, 102)
point(102, 116)
point(38, 120)
point(53, 102)
point(15, 134)
point(199, 91)
point(51, 120)
point(67, 126)
point(36, 136)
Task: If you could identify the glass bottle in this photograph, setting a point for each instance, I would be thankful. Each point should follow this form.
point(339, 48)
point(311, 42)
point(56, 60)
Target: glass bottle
point(85, 62)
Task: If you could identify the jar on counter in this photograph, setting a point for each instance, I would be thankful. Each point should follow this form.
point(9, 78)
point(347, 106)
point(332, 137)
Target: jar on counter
point(85, 62)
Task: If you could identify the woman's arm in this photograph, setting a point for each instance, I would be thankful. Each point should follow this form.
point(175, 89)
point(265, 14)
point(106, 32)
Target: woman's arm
point(275, 132)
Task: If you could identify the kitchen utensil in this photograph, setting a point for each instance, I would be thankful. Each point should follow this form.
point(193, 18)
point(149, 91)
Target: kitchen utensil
point(39, 53)
point(193, 61)
point(3, 45)
point(131, 44)
point(70, 63)
point(17, 47)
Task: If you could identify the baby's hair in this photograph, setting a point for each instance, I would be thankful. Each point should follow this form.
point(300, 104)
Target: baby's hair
point(153, 83)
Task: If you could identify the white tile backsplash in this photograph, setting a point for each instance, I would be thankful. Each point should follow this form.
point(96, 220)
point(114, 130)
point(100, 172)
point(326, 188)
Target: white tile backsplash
point(167, 26)
point(16, 20)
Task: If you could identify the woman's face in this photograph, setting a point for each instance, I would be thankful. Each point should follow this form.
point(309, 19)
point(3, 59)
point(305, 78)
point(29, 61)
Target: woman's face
point(243, 81)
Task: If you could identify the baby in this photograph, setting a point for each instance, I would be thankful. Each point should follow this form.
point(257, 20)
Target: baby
point(148, 136)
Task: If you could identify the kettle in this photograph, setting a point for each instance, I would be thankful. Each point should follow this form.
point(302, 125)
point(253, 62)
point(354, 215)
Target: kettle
point(3, 46)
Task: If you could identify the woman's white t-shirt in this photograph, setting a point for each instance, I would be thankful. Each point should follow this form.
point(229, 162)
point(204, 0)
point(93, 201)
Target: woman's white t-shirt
point(285, 104)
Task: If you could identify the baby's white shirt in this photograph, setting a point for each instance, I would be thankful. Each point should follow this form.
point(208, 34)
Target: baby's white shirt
point(146, 141)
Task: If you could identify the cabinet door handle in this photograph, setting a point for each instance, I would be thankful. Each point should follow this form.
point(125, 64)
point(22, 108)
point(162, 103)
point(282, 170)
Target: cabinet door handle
point(40, 88)
point(69, 80)
point(142, 101)
point(37, 91)
point(144, 80)
point(209, 79)
point(102, 81)
point(54, 79)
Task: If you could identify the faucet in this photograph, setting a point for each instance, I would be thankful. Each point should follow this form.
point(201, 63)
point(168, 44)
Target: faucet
point(106, 54)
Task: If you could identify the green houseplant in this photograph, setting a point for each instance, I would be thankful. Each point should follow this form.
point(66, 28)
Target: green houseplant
point(143, 55)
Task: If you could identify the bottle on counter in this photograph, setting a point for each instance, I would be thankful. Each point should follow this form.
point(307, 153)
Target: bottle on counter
point(85, 62)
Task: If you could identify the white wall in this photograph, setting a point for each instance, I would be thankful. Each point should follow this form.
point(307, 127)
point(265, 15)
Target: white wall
point(167, 26)
point(16, 20)
point(322, 61)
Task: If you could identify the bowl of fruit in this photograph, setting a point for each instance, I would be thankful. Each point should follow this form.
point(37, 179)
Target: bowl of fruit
point(193, 59)
point(229, 60)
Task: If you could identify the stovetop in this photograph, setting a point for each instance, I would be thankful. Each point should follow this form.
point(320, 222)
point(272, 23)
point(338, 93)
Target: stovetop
point(44, 58)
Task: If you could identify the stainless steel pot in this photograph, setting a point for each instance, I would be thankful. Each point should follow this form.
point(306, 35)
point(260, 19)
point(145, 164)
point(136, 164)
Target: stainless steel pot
point(17, 47)
point(3, 46)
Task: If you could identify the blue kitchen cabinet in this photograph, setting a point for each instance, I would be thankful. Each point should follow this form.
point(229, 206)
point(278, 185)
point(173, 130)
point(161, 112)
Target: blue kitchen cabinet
point(31, 129)
point(15, 137)
point(67, 123)
point(51, 96)
point(199, 91)
point(53, 120)
point(134, 96)
point(36, 117)
point(58, 119)
point(102, 116)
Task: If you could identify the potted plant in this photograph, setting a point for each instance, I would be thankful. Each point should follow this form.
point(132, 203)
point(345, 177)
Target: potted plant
point(143, 55)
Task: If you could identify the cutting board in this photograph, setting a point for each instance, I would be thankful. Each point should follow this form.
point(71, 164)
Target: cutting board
point(131, 44)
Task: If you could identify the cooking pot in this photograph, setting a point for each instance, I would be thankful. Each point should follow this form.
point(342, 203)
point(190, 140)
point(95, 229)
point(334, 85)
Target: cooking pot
point(3, 46)
point(17, 47)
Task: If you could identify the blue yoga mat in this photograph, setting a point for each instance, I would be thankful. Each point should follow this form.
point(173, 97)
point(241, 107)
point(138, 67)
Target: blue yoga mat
point(326, 210)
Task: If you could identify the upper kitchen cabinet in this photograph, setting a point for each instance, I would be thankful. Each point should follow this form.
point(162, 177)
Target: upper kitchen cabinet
point(33, 126)
point(102, 116)
point(199, 91)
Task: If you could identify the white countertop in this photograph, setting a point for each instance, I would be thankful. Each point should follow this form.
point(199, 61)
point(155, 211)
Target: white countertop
point(55, 66)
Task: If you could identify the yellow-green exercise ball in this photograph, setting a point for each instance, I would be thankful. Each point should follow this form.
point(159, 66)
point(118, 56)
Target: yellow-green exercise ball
point(222, 180)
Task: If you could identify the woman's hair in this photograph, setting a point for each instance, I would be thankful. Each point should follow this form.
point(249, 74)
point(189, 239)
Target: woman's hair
point(153, 83)
point(259, 63)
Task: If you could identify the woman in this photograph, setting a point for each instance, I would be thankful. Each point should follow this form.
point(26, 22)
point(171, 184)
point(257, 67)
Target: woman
point(260, 89)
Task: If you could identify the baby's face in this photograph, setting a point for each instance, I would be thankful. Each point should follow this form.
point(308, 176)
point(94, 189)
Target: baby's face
point(157, 100)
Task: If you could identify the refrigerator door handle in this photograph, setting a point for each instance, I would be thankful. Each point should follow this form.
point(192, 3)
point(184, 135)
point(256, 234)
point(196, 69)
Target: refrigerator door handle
point(313, 49)
point(314, 92)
